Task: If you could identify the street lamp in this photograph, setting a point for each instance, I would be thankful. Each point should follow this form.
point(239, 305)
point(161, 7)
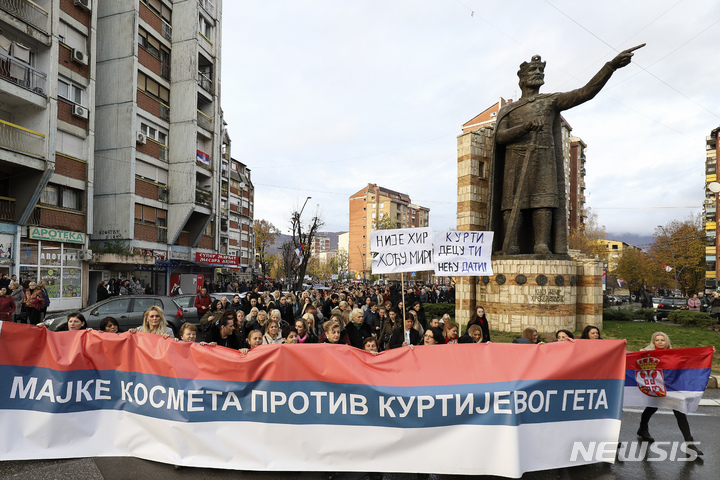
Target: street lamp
point(671, 253)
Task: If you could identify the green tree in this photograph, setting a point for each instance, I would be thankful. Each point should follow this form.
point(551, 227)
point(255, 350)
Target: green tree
point(680, 246)
point(586, 238)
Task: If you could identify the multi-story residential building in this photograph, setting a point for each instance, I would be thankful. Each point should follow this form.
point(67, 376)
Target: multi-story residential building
point(574, 158)
point(320, 244)
point(613, 251)
point(47, 83)
point(712, 201)
point(378, 207)
point(158, 172)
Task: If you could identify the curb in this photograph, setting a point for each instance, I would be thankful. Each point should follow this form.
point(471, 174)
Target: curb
point(713, 381)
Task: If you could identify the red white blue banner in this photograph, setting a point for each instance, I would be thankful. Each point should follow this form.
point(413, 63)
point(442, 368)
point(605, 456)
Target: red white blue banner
point(673, 378)
point(332, 408)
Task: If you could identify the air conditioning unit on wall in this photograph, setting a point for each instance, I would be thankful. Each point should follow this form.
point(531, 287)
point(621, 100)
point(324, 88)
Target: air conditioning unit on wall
point(85, 255)
point(84, 4)
point(140, 138)
point(79, 57)
point(79, 111)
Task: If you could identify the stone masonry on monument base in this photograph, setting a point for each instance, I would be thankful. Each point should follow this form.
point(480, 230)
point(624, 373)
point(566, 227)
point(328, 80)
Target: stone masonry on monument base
point(547, 294)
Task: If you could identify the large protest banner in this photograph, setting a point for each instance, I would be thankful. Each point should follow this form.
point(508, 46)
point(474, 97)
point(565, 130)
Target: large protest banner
point(401, 250)
point(306, 407)
point(672, 378)
point(463, 253)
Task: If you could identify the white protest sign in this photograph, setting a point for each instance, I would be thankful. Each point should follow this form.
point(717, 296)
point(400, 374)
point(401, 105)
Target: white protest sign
point(401, 250)
point(463, 254)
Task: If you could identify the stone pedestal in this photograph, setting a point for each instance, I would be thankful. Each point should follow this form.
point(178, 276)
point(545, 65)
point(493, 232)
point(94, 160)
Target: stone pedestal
point(548, 295)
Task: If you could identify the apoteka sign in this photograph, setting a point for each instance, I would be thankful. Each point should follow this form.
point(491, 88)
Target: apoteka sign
point(39, 233)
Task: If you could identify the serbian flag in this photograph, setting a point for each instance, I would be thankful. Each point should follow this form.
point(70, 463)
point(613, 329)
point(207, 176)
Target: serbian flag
point(621, 282)
point(673, 378)
point(299, 252)
point(667, 268)
point(331, 407)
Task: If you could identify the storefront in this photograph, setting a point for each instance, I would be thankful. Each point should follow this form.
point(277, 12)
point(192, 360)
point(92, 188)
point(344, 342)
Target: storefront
point(54, 256)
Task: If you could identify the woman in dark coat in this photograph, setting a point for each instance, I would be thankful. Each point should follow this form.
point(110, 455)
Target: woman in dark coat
point(401, 336)
point(7, 305)
point(481, 320)
point(102, 292)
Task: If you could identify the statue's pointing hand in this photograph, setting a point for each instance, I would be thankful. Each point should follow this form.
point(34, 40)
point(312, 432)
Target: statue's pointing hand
point(623, 58)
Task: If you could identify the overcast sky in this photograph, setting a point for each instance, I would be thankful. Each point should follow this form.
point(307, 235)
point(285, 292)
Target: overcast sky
point(323, 97)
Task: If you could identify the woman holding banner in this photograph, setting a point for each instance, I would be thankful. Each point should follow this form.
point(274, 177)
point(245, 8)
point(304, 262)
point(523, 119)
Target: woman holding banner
point(660, 341)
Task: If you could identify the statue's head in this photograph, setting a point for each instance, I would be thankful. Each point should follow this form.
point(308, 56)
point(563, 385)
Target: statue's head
point(532, 74)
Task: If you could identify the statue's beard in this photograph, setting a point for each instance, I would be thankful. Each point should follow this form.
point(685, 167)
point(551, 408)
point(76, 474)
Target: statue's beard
point(533, 82)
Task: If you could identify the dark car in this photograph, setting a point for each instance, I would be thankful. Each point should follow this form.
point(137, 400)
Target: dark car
point(187, 303)
point(128, 310)
point(669, 304)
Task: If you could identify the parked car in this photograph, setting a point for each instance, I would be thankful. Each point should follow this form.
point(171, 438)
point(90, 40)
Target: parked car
point(128, 310)
point(229, 295)
point(669, 304)
point(187, 303)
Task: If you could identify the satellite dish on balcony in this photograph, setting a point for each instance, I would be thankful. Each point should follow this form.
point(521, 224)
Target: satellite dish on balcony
point(714, 187)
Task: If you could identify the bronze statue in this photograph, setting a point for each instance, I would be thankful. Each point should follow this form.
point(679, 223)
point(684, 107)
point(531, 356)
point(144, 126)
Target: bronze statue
point(527, 177)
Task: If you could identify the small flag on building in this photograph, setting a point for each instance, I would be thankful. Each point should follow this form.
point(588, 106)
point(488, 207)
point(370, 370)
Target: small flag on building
point(667, 268)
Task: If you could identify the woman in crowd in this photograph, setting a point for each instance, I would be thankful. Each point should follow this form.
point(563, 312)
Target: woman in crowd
point(450, 332)
point(479, 318)
point(188, 332)
point(419, 313)
point(290, 335)
point(272, 333)
point(34, 303)
point(154, 322)
point(7, 306)
point(389, 326)
point(474, 334)
point(214, 312)
point(445, 318)
point(42, 284)
point(357, 329)
point(591, 332)
point(433, 336)
point(76, 321)
point(332, 330)
point(370, 345)
point(255, 339)
point(660, 341)
point(19, 297)
point(109, 325)
point(532, 335)
point(408, 335)
point(149, 290)
point(303, 332)
point(102, 292)
point(564, 335)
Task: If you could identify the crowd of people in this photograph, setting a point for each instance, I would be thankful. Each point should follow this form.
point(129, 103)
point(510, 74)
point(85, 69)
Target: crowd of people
point(25, 302)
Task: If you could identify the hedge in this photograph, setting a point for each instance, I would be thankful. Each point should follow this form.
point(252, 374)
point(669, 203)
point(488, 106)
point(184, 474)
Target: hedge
point(691, 318)
point(439, 309)
point(628, 314)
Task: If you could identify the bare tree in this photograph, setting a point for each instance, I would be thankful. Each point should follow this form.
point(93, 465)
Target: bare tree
point(302, 237)
point(289, 260)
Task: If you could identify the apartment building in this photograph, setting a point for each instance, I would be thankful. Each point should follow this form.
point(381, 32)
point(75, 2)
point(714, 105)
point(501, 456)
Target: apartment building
point(378, 207)
point(47, 84)
point(320, 244)
point(710, 208)
point(160, 143)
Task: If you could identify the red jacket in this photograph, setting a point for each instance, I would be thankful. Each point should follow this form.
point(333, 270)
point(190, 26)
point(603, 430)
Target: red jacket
point(7, 308)
point(203, 304)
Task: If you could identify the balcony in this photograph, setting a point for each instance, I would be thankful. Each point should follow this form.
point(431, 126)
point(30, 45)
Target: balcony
point(162, 235)
point(22, 140)
point(205, 121)
point(28, 12)
point(7, 209)
point(155, 106)
point(205, 82)
point(22, 74)
point(203, 197)
point(166, 30)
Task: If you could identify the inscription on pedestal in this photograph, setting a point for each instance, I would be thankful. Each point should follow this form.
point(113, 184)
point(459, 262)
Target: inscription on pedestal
point(547, 295)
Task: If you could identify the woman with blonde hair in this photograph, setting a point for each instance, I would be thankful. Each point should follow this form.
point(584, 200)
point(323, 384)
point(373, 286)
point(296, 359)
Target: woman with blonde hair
point(154, 322)
point(272, 333)
point(660, 341)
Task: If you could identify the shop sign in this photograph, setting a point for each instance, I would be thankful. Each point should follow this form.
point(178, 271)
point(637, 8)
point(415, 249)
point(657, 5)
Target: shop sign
point(179, 256)
point(40, 233)
point(216, 259)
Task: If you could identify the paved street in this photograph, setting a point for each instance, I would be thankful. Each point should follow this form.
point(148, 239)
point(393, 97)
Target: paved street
point(705, 425)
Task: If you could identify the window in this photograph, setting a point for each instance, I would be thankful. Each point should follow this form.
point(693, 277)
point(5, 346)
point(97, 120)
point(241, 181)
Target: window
point(154, 133)
point(119, 305)
point(62, 197)
point(70, 91)
point(151, 215)
point(205, 27)
point(150, 86)
point(153, 46)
